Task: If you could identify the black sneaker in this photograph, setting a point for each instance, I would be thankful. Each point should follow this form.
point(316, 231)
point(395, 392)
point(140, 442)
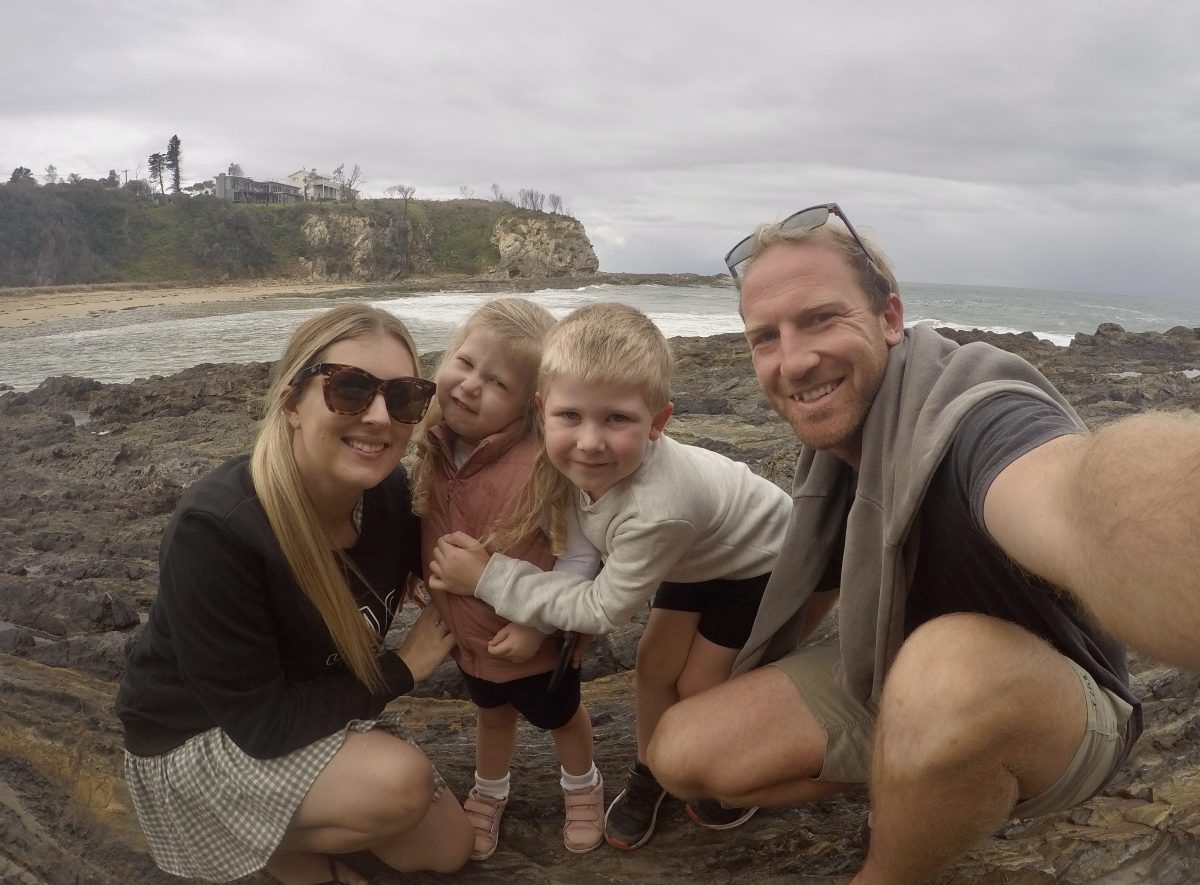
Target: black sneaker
point(629, 822)
point(716, 815)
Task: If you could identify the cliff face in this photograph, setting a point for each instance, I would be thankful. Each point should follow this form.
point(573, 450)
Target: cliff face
point(85, 233)
point(354, 247)
point(551, 246)
point(345, 246)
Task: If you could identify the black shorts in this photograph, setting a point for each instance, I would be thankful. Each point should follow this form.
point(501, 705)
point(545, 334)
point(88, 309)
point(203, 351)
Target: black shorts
point(727, 607)
point(531, 697)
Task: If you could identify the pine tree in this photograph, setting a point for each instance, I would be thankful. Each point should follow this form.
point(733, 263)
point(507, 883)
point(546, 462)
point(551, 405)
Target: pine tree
point(172, 162)
point(157, 164)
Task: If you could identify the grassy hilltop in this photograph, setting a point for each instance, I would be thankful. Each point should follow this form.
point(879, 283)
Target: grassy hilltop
point(86, 232)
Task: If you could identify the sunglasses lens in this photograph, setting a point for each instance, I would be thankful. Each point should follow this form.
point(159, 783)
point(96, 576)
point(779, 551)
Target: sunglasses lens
point(739, 253)
point(807, 219)
point(406, 400)
point(350, 392)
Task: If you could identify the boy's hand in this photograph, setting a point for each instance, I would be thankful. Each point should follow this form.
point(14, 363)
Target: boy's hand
point(516, 643)
point(458, 562)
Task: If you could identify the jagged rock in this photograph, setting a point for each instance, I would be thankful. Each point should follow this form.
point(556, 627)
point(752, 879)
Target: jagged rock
point(542, 246)
point(82, 506)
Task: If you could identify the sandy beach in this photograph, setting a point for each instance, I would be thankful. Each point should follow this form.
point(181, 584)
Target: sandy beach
point(28, 309)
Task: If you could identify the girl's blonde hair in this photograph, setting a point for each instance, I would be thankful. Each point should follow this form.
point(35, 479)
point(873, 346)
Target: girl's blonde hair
point(302, 537)
point(604, 344)
point(520, 326)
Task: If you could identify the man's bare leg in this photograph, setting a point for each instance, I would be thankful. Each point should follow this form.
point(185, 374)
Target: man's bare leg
point(976, 714)
point(702, 748)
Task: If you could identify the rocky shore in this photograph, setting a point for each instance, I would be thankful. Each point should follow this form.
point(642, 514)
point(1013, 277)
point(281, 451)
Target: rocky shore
point(91, 472)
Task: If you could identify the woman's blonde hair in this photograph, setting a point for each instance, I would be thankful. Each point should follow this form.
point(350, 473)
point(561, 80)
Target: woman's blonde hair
point(604, 344)
point(520, 326)
point(302, 537)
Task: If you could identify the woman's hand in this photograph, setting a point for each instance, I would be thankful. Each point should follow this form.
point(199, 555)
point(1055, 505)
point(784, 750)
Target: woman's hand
point(458, 563)
point(426, 645)
point(516, 643)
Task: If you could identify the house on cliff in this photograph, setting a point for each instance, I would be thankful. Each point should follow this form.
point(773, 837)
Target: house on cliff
point(301, 186)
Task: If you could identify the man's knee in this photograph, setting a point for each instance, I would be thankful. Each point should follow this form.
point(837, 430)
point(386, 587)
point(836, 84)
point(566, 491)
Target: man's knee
point(678, 753)
point(957, 690)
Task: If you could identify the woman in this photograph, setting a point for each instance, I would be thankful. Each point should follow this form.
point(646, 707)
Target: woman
point(252, 699)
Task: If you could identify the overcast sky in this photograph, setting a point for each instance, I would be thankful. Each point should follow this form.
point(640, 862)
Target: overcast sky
point(1049, 144)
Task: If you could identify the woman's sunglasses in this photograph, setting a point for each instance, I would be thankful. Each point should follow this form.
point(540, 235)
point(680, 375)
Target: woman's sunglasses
point(350, 390)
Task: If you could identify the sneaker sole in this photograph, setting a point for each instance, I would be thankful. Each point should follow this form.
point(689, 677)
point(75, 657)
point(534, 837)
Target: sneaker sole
point(625, 846)
point(583, 850)
point(711, 826)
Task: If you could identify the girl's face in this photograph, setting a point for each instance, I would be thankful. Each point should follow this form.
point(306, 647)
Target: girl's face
point(341, 455)
point(480, 389)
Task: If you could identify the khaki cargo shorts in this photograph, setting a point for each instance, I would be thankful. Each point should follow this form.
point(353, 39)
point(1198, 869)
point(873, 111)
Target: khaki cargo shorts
point(849, 726)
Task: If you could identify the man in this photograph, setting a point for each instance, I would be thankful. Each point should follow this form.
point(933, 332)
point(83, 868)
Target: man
point(946, 497)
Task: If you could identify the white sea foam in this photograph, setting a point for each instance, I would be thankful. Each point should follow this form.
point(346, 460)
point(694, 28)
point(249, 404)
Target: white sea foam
point(1054, 337)
point(137, 343)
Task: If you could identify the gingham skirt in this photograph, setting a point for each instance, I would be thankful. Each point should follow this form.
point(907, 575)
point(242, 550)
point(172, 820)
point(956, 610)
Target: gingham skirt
point(210, 811)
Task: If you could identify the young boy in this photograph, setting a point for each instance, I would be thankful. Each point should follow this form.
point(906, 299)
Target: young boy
point(698, 528)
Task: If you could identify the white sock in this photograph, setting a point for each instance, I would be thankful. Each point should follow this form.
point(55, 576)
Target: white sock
point(497, 789)
point(580, 781)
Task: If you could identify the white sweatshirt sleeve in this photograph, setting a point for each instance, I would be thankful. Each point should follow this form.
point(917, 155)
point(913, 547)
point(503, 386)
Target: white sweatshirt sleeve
point(580, 557)
point(643, 555)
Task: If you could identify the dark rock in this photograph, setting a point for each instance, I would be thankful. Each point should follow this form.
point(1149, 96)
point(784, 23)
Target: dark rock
point(82, 509)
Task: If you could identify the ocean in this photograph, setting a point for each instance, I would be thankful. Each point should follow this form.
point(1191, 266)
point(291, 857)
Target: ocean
point(137, 343)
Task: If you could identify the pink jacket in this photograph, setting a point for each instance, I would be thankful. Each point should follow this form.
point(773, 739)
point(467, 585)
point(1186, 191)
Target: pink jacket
point(472, 499)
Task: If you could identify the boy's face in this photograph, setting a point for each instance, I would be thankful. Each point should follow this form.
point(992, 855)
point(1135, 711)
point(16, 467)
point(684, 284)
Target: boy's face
point(596, 435)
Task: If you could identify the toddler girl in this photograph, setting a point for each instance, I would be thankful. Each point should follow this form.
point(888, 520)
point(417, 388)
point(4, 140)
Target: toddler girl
point(475, 453)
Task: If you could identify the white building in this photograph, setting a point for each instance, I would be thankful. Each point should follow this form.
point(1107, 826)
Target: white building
point(315, 186)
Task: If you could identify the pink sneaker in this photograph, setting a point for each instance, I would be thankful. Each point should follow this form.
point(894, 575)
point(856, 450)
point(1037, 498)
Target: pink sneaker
point(584, 829)
point(484, 813)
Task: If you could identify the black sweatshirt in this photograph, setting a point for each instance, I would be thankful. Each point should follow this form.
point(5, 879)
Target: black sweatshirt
point(232, 642)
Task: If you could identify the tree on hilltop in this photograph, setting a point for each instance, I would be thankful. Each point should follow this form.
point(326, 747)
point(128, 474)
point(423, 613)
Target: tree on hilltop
point(528, 198)
point(113, 180)
point(51, 176)
point(157, 163)
point(174, 156)
point(348, 182)
point(401, 192)
point(22, 175)
point(555, 204)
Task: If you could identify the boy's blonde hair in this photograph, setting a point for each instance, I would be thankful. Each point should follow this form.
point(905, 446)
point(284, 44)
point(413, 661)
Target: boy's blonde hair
point(607, 344)
point(520, 325)
point(315, 561)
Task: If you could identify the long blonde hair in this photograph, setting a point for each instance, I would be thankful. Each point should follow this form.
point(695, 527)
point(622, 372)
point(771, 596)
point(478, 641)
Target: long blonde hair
point(315, 560)
point(521, 327)
point(600, 344)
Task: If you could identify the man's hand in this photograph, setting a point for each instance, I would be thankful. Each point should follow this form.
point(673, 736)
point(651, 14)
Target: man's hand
point(426, 645)
point(458, 562)
point(516, 643)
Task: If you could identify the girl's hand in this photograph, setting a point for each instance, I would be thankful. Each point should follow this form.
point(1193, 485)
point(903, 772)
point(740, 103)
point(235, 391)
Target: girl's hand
point(516, 643)
point(458, 562)
point(426, 645)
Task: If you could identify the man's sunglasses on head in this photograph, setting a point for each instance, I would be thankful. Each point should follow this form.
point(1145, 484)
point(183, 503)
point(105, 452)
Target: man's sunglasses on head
point(806, 219)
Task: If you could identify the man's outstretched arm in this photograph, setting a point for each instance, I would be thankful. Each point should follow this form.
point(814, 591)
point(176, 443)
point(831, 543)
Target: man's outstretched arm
point(1115, 519)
